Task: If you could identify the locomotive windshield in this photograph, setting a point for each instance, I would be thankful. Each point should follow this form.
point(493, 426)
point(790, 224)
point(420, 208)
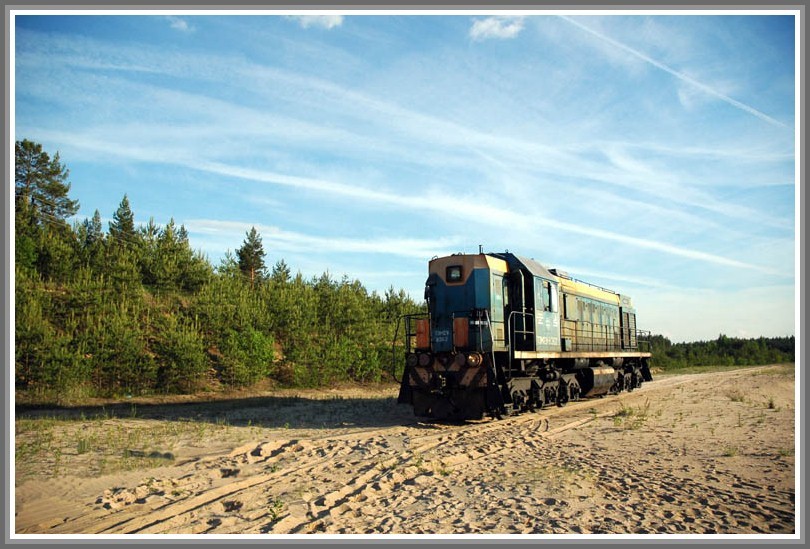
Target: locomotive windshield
point(454, 273)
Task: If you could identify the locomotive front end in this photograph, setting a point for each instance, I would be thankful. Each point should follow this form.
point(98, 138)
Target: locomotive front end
point(449, 367)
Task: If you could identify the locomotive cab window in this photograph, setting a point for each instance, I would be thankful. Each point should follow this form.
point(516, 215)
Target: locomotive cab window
point(545, 294)
point(454, 273)
point(552, 292)
point(570, 305)
point(549, 297)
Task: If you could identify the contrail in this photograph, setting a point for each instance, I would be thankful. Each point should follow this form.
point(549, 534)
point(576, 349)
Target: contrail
point(463, 208)
point(676, 74)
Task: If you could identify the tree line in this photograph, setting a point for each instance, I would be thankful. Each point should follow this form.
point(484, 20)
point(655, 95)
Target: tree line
point(724, 351)
point(134, 310)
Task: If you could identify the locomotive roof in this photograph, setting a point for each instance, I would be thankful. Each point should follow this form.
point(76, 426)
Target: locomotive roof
point(536, 268)
point(530, 264)
point(570, 284)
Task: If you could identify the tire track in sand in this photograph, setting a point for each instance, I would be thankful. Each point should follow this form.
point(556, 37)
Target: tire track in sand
point(412, 478)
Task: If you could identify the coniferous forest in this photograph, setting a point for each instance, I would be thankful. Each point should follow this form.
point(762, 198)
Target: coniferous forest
point(723, 351)
point(133, 310)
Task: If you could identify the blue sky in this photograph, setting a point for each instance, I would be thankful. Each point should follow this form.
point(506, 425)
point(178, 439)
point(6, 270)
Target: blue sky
point(653, 154)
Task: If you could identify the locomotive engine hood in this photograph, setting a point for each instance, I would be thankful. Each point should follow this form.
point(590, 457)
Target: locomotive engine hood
point(461, 291)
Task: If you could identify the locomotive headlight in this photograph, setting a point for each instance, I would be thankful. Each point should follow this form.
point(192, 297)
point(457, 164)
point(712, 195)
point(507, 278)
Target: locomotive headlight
point(460, 359)
point(424, 359)
point(411, 360)
point(474, 360)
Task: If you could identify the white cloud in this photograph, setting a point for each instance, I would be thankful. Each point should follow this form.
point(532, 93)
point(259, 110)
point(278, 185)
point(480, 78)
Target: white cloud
point(179, 24)
point(690, 98)
point(447, 137)
point(469, 209)
point(290, 241)
point(496, 27)
point(457, 206)
point(317, 21)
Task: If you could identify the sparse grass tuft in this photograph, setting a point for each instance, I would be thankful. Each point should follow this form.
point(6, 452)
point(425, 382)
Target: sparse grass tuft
point(632, 418)
point(625, 411)
point(274, 508)
point(736, 395)
point(82, 446)
point(560, 480)
point(44, 446)
point(419, 463)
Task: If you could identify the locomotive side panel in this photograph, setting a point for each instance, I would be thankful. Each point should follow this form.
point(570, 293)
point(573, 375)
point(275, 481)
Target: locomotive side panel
point(590, 317)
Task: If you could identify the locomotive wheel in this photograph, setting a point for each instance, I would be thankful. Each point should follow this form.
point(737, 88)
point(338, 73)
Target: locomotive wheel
point(562, 394)
point(538, 401)
point(628, 383)
point(574, 391)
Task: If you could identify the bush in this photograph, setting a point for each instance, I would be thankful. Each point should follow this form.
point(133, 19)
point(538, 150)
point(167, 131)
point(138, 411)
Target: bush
point(180, 356)
point(121, 361)
point(247, 357)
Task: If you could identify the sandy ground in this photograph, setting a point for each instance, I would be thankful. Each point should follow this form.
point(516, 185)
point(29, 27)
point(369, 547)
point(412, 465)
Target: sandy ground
point(690, 454)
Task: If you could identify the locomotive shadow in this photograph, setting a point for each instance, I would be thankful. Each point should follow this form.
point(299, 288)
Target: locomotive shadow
point(271, 412)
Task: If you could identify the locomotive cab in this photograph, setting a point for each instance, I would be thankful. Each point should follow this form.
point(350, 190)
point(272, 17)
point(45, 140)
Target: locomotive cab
point(533, 318)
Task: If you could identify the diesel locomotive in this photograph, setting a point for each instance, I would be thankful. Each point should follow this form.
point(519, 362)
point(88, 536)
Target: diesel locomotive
point(503, 334)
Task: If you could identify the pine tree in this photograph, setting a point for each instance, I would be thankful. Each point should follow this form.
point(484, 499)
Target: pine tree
point(168, 257)
point(95, 233)
point(228, 266)
point(125, 250)
point(251, 257)
point(281, 272)
point(41, 188)
point(90, 236)
point(122, 227)
point(43, 239)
